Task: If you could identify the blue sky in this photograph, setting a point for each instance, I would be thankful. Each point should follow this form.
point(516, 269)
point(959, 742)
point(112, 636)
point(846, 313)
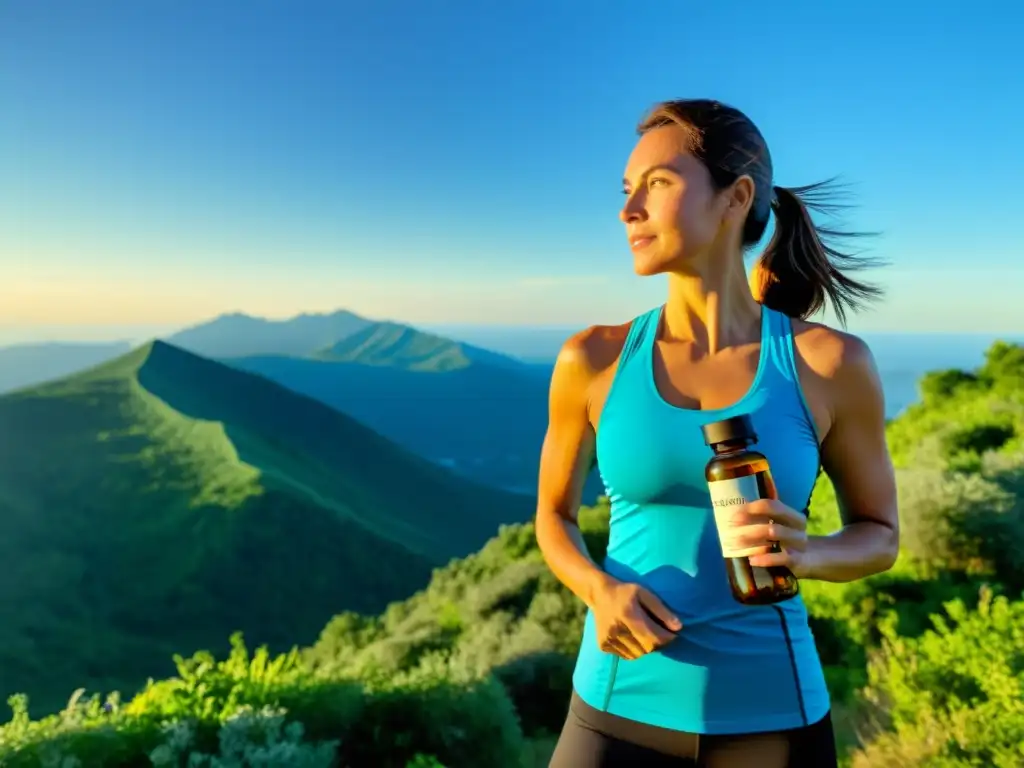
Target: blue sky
point(459, 162)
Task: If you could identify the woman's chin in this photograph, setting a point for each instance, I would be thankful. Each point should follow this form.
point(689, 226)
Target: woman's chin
point(648, 267)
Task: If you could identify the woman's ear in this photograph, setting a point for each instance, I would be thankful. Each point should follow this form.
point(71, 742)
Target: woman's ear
point(741, 199)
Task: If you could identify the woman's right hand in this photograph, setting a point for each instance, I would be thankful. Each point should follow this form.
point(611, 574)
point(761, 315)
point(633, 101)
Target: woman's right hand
point(627, 615)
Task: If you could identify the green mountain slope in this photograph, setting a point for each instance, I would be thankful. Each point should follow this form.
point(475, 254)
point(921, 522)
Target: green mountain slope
point(395, 345)
point(401, 346)
point(238, 334)
point(923, 662)
point(909, 688)
point(160, 501)
point(477, 412)
point(485, 422)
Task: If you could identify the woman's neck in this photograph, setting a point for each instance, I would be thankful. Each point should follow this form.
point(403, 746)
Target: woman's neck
point(712, 311)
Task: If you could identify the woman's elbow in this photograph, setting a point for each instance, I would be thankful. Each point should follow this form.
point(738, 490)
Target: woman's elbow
point(543, 528)
point(889, 548)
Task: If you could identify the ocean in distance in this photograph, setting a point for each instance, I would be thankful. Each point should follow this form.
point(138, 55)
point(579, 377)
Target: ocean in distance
point(902, 358)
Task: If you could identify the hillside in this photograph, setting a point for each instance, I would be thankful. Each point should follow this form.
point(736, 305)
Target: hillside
point(24, 365)
point(161, 500)
point(396, 345)
point(238, 334)
point(477, 412)
point(923, 662)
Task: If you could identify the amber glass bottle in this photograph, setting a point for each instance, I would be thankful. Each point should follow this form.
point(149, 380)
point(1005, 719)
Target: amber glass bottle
point(737, 474)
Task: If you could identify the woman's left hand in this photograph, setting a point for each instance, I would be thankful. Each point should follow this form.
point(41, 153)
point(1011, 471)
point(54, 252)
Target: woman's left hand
point(767, 522)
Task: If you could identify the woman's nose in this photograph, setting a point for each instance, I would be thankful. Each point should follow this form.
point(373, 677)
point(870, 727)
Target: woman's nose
point(633, 210)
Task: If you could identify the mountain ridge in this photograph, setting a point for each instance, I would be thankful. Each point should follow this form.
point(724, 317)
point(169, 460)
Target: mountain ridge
point(236, 334)
point(395, 344)
point(160, 500)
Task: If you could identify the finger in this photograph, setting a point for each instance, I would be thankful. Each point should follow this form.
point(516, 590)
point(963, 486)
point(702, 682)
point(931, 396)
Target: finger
point(746, 541)
point(617, 647)
point(648, 631)
point(763, 510)
point(658, 609)
point(749, 535)
point(784, 536)
point(773, 559)
point(622, 636)
point(750, 551)
point(631, 643)
point(625, 635)
point(754, 539)
point(781, 513)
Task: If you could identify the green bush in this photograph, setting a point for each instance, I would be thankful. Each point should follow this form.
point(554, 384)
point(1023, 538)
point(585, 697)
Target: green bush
point(925, 662)
point(944, 384)
point(953, 697)
point(943, 517)
point(260, 711)
point(1004, 366)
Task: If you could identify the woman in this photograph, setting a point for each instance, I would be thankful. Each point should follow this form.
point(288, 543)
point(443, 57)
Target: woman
point(672, 670)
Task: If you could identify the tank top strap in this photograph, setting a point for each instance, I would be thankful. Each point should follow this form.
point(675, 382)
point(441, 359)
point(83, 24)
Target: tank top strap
point(782, 357)
point(778, 336)
point(641, 335)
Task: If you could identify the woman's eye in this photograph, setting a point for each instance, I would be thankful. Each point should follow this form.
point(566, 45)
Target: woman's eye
point(656, 181)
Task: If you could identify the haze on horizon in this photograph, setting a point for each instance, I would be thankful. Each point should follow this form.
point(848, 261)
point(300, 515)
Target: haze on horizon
point(460, 166)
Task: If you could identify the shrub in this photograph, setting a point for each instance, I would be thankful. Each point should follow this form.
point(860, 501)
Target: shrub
point(273, 711)
point(1004, 366)
point(938, 385)
point(539, 686)
point(944, 516)
point(952, 697)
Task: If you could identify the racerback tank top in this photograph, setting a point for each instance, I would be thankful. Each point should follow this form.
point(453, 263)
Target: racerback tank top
point(732, 668)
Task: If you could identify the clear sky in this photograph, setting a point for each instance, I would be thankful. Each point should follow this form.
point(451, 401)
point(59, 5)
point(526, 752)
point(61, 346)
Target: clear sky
point(460, 162)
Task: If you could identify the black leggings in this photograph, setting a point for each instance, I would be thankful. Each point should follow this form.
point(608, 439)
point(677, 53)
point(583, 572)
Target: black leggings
point(595, 739)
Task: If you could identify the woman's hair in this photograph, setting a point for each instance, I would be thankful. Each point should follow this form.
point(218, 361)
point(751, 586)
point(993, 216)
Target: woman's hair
point(800, 270)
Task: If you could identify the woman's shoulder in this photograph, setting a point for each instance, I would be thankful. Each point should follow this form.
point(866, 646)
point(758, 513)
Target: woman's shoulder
point(586, 359)
point(594, 349)
point(840, 367)
point(830, 352)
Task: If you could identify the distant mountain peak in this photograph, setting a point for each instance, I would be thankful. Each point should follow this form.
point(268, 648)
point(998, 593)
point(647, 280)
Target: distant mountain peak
point(332, 313)
point(161, 476)
point(237, 334)
point(392, 344)
point(240, 315)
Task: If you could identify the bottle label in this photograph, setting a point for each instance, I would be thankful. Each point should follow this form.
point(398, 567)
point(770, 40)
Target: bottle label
point(727, 496)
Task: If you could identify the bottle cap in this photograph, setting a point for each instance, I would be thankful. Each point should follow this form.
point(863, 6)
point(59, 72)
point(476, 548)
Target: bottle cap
point(735, 428)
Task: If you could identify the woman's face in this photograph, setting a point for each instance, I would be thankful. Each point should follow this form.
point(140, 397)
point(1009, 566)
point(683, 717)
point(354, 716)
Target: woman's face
point(672, 213)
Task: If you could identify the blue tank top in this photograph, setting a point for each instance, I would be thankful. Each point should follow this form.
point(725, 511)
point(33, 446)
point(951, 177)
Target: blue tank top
point(732, 668)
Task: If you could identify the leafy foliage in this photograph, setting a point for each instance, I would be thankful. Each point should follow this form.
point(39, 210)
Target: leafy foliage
point(953, 696)
point(925, 662)
point(263, 710)
point(158, 502)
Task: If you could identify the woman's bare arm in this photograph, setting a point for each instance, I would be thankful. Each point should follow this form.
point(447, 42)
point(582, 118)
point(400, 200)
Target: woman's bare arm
point(564, 464)
point(856, 458)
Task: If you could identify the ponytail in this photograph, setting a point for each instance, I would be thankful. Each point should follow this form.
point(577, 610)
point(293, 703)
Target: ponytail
point(800, 270)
